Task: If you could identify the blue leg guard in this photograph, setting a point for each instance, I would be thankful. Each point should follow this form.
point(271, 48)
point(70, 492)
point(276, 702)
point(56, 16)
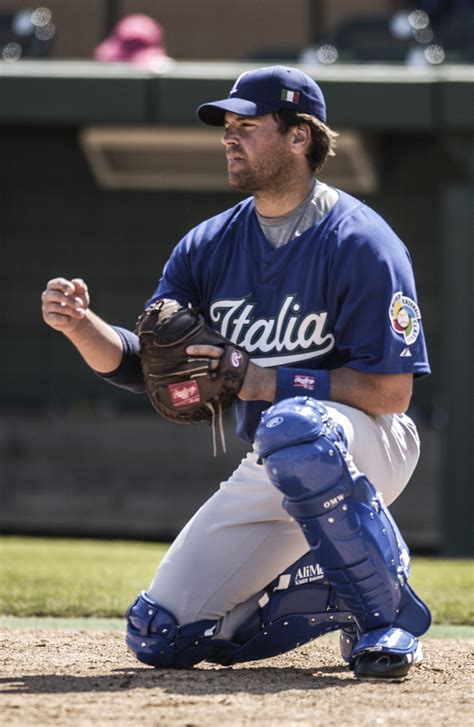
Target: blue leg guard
point(155, 637)
point(296, 607)
point(346, 524)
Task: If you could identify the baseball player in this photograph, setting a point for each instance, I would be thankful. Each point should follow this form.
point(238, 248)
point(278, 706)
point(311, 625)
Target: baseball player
point(319, 291)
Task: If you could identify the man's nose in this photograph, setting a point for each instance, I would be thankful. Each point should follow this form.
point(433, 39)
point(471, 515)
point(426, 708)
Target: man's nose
point(230, 137)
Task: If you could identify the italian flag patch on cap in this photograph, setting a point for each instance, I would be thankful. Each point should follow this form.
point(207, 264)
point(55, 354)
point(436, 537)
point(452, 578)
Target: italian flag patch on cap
point(292, 96)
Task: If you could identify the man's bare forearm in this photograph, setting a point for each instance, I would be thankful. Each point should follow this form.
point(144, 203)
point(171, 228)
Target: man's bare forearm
point(374, 394)
point(98, 343)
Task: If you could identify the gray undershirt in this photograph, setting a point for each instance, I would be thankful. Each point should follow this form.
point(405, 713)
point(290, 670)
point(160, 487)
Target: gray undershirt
point(280, 230)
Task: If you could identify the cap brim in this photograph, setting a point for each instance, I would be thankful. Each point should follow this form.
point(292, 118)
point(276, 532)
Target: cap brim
point(214, 113)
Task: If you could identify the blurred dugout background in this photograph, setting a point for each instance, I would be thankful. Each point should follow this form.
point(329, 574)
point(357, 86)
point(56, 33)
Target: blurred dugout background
point(103, 170)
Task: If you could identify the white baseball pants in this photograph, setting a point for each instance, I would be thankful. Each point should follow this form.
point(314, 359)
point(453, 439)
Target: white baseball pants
point(242, 538)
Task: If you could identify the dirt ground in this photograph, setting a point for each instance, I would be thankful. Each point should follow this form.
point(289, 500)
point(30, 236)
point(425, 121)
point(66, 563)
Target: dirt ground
point(82, 678)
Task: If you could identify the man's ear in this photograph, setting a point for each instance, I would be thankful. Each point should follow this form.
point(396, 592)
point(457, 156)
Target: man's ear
point(300, 138)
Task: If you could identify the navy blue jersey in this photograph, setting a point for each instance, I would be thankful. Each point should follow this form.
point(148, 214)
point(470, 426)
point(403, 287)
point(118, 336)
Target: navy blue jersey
point(340, 294)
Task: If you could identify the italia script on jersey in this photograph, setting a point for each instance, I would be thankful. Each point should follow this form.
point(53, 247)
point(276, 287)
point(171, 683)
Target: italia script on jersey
point(286, 338)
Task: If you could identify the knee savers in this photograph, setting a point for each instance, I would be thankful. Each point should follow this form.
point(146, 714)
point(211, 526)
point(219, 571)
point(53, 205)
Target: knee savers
point(156, 639)
point(346, 524)
point(297, 606)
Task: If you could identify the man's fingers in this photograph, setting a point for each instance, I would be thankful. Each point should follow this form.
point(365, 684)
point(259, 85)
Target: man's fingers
point(66, 286)
point(75, 287)
point(213, 353)
point(205, 351)
point(57, 296)
point(58, 320)
point(64, 310)
point(64, 303)
point(80, 287)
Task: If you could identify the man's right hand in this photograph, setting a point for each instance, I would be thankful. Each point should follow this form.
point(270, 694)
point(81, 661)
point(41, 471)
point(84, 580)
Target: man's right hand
point(65, 303)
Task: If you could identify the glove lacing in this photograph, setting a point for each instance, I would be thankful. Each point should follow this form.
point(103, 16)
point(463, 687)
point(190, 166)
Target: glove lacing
point(212, 409)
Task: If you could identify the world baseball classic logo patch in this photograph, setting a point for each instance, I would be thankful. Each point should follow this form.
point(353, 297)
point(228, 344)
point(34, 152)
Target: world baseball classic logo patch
point(405, 317)
point(185, 393)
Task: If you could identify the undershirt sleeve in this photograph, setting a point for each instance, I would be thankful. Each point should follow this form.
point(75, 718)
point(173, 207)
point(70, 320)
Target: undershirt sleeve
point(128, 375)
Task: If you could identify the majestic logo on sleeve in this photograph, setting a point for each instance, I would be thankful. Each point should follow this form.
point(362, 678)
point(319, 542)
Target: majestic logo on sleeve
point(405, 317)
point(287, 338)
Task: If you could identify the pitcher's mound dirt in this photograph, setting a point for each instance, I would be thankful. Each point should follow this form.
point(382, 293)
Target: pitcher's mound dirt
point(83, 678)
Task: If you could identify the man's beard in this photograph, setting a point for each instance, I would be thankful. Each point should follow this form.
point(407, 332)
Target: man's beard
point(271, 174)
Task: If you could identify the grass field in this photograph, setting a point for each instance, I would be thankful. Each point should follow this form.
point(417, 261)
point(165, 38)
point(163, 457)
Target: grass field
point(77, 578)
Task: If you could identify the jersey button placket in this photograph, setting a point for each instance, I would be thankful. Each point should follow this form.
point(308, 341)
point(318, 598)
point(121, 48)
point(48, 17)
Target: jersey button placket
point(266, 271)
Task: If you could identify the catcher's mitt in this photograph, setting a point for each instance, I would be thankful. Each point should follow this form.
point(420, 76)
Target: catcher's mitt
point(181, 388)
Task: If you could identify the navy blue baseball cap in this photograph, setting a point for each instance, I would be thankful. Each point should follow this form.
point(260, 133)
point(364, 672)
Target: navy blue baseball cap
point(265, 91)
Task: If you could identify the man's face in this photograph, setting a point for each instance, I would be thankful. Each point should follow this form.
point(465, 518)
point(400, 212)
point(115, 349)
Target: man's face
point(258, 155)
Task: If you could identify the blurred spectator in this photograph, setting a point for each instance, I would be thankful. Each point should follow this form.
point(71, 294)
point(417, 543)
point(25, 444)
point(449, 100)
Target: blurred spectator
point(441, 30)
point(136, 39)
point(439, 10)
point(26, 33)
point(419, 32)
